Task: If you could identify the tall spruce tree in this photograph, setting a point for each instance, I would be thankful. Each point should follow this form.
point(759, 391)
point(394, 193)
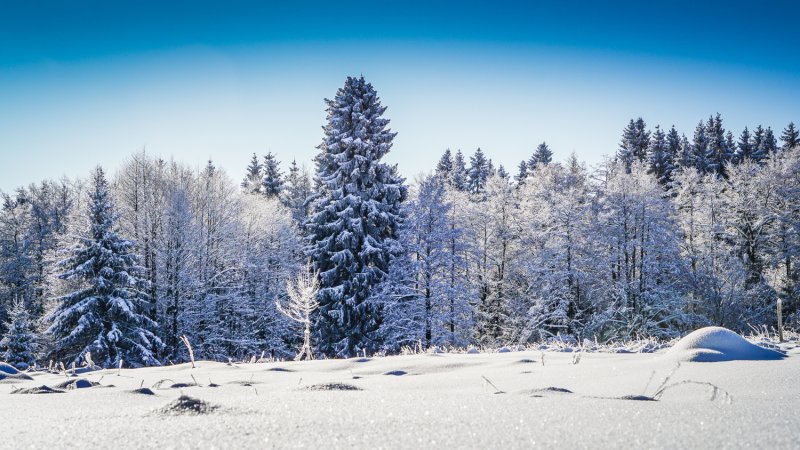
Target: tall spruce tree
point(444, 169)
point(253, 178)
point(700, 148)
point(296, 191)
point(522, 173)
point(106, 315)
point(744, 148)
point(542, 156)
point(479, 171)
point(790, 137)
point(660, 164)
point(272, 183)
point(20, 341)
point(459, 179)
point(352, 232)
point(635, 141)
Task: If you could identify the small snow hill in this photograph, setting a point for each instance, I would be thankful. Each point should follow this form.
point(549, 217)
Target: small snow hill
point(712, 344)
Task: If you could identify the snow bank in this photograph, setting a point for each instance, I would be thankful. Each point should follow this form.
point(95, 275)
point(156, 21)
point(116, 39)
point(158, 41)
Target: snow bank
point(712, 344)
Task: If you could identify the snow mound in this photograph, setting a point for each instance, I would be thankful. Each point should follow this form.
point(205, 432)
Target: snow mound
point(8, 369)
point(10, 373)
point(712, 344)
point(187, 405)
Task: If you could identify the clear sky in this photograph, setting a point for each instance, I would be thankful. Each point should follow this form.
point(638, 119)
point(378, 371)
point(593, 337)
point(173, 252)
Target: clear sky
point(88, 82)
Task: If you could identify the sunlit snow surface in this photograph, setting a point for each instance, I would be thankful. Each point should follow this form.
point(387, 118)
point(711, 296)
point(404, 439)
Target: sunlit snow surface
point(486, 400)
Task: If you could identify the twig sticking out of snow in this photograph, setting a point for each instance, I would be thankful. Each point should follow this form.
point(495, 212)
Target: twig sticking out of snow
point(496, 389)
point(716, 391)
point(185, 341)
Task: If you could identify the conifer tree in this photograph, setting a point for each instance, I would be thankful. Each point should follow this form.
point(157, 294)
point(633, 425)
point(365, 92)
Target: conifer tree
point(770, 143)
point(790, 137)
point(352, 232)
point(479, 171)
point(660, 162)
point(296, 191)
point(105, 316)
point(542, 156)
point(744, 148)
point(444, 169)
point(700, 148)
point(20, 341)
point(253, 178)
point(272, 183)
point(674, 146)
point(522, 173)
point(635, 140)
point(459, 172)
point(759, 150)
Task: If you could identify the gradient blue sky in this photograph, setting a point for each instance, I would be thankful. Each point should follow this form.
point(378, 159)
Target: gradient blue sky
point(87, 82)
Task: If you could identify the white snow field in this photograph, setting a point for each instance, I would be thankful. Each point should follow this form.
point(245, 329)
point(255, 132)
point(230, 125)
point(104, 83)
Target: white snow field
point(516, 399)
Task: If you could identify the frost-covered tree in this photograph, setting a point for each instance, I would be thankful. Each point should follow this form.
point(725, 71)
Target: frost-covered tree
point(272, 181)
point(522, 173)
point(700, 148)
point(20, 343)
point(635, 141)
point(296, 192)
point(719, 151)
point(790, 137)
point(660, 158)
point(302, 292)
point(542, 156)
point(744, 148)
point(460, 175)
point(353, 229)
point(106, 314)
point(253, 178)
point(444, 168)
point(479, 171)
point(769, 144)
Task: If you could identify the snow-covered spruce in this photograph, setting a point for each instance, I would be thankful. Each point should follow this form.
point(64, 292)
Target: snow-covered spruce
point(20, 341)
point(353, 229)
point(105, 315)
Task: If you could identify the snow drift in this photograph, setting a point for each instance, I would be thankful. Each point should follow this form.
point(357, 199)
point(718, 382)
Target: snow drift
point(712, 344)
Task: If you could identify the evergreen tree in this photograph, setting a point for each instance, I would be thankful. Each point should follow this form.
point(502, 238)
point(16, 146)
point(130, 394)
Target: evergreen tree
point(522, 173)
point(444, 169)
point(352, 233)
point(296, 191)
point(770, 143)
point(19, 342)
point(700, 148)
point(635, 141)
point(660, 161)
point(272, 183)
point(253, 179)
point(718, 152)
point(760, 152)
point(479, 172)
point(543, 155)
point(744, 147)
point(459, 172)
point(106, 315)
point(502, 173)
point(674, 147)
point(790, 137)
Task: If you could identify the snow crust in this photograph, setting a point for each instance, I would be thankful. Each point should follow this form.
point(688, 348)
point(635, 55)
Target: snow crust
point(526, 399)
point(713, 344)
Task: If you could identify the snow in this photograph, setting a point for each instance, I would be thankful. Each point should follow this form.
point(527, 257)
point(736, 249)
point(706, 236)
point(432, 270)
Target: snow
point(443, 400)
point(711, 344)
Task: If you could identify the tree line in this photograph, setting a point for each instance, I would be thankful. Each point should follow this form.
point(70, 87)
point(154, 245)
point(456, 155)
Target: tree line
point(667, 235)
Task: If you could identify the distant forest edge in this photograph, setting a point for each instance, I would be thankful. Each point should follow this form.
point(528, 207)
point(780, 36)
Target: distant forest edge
point(670, 234)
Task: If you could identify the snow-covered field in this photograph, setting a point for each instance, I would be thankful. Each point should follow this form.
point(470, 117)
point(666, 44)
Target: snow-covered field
point(490, 400)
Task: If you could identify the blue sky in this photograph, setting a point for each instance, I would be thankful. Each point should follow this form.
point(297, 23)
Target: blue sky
point(90, 82)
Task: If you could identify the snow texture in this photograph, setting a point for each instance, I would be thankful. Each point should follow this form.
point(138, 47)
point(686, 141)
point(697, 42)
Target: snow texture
point(712, 344)
point(446, 400)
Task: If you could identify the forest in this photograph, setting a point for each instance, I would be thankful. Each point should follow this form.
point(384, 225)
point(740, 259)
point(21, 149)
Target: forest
point(669, 234)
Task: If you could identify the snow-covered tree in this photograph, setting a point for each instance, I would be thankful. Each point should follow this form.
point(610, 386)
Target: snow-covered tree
point(635, 141)
point(460, 176)
point(479, 171)
point(20, 343)
point(660, 159)
point(353, 229)
point(444, 168)
point(541, 156)
point(106, 315)
point(302, 292)
point(272, 181)
point(253, 178)
point(296, 191)
point(790, 137)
